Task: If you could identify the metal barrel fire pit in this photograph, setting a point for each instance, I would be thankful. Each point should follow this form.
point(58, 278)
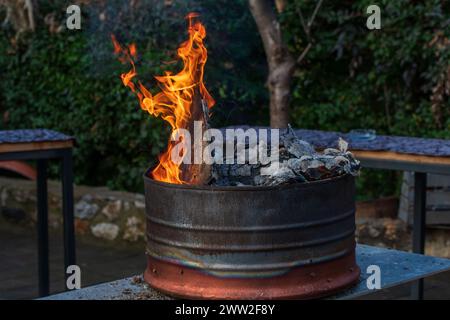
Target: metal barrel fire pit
point(283, 242)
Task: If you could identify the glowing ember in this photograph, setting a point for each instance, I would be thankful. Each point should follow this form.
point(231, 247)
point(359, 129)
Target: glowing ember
point(175, 101)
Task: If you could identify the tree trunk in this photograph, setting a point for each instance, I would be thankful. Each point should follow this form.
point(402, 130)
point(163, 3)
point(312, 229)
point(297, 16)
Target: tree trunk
point(281, 63)
point(21, 15)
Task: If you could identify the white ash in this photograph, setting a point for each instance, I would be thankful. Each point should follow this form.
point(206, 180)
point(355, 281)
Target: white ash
point(298, 163)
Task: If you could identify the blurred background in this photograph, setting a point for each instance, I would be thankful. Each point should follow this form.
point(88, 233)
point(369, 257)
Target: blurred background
point(395, 80)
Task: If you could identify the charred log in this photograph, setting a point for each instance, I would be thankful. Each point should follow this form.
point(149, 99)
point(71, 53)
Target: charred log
point(197, 172)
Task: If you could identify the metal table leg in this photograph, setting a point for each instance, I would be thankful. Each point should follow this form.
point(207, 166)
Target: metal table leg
point(67, 190)
point(419, 225)
point(42, 227)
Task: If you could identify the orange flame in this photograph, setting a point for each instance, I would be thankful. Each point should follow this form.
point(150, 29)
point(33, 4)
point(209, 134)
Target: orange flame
point(174, 102)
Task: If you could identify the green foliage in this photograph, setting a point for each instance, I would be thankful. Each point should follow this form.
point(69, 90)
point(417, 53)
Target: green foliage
point(49, 87)
point(381, 79)
point(70, 82)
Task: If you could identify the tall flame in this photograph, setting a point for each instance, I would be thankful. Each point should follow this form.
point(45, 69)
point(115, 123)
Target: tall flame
point(175, 101)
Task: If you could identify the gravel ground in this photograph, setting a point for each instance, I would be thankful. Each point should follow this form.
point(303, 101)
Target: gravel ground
point(18, 267)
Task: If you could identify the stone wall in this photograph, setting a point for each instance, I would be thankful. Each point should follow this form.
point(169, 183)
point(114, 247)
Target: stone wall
point(100, 213)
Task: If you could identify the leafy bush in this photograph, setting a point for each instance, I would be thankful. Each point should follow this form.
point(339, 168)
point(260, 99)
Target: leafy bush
point(69, 81)
point(381, 79)
point(48, 87)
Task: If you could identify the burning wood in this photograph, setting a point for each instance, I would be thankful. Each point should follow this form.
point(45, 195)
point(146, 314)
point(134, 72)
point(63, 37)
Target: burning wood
point(182, 100)
point(197, 172)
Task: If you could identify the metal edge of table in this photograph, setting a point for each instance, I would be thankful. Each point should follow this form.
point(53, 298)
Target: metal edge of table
point(353, 292)
point(34, 154)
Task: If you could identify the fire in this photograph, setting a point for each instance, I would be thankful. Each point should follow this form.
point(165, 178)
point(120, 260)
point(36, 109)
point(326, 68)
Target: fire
point(174, 103)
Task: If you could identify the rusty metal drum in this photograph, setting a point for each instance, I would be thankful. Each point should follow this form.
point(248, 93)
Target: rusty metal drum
point(282, 242)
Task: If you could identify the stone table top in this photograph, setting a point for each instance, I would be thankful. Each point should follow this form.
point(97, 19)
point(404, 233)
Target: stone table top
point(399, 144)
point(32, 135)
point(397, 267)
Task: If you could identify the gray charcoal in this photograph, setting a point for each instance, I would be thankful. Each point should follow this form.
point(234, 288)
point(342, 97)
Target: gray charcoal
point(232, 174)
point(331, 152)
point(279, 176)
point(343, 145)
point(294, 145)
point(237, 170)
point(299, 163)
